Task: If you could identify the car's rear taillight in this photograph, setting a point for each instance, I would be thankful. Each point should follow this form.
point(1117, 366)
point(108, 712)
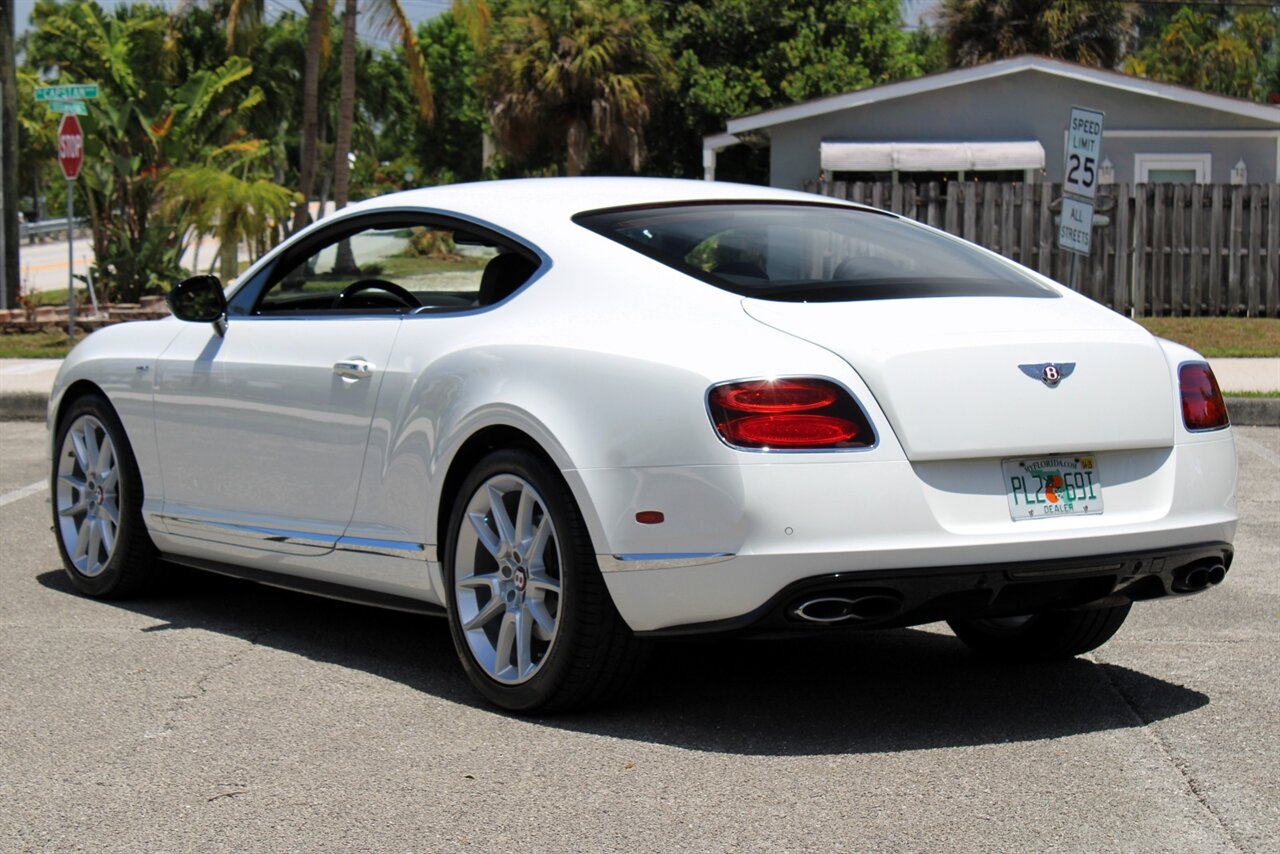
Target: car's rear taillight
point(791, 414)
point(1202, 405)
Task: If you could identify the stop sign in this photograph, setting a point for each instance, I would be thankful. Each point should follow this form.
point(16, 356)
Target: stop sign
point(70, 146)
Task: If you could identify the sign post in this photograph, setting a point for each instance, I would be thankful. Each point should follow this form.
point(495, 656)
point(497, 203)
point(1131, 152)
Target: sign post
point(69, 101)
point(4, 258)
point(70, 158)
point(1080, 184)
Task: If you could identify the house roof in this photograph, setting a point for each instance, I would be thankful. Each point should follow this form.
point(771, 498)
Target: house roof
point(1003, 68)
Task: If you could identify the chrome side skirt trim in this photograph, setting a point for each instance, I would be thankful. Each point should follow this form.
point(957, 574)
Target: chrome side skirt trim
point(217, 530)
point(623, 563)
point(389, 548)
point(206, 529)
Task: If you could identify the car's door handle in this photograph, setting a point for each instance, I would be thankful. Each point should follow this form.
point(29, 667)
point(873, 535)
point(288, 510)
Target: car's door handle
point(353, 369)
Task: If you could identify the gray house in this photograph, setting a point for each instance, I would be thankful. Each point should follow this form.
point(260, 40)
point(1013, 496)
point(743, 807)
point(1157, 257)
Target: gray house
point(1008, 120)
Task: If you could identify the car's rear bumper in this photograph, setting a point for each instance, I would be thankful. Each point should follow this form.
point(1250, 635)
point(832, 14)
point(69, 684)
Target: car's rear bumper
point(735, 537)
point(895, 598)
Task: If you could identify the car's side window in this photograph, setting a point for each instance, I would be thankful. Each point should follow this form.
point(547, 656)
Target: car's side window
point(388, 267)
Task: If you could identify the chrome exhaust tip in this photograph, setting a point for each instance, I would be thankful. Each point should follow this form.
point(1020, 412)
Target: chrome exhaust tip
point(1198, 576)
point(845, 609)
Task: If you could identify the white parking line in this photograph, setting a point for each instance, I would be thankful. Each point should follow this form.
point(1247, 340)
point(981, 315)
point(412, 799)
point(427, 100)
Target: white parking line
point(19, 494)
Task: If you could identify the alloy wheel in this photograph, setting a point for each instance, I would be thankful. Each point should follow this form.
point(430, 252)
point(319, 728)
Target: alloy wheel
point(87, 495)
point(507, 580)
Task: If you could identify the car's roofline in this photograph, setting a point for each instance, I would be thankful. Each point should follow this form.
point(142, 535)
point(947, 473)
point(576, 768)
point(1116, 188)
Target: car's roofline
point(559, 199)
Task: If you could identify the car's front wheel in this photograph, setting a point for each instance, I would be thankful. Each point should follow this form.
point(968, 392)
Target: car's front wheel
point(97, 503)
point(1042, 636)
point(528, 609)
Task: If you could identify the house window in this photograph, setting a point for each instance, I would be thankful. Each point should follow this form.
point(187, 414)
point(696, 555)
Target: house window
point(1172, 168)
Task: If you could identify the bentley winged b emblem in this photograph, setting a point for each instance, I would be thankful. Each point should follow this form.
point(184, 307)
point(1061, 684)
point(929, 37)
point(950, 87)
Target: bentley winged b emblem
point(1049, 373)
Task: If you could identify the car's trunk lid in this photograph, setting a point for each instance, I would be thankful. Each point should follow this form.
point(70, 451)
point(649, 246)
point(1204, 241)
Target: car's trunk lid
point(963, 377)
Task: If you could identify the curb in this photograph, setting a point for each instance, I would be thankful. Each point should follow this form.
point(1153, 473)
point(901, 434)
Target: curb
point(1244, 411)
point(24, 405)
point(1254, 411)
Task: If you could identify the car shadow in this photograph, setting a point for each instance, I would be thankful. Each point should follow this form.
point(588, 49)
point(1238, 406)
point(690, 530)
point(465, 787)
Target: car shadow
point(885, 691)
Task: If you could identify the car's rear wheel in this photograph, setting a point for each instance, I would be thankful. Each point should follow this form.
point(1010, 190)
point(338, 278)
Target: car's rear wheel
point(1043, 636)
point(529, 613)
point(97, 503)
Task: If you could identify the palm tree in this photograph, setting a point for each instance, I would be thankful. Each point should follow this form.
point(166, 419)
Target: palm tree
point(567, 74)
point(390, 19)
point(243, 19)
point(228, 200)
point(308, 155)
point(1091, 32)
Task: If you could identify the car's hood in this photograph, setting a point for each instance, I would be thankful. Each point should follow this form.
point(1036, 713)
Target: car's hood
point(963, 376)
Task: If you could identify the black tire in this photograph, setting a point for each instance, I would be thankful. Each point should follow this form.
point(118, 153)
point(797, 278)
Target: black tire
point(130, 564)
point(1044, 636)
point(591, 656)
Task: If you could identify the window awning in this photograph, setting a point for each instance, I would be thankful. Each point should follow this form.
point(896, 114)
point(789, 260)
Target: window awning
point(932, 156)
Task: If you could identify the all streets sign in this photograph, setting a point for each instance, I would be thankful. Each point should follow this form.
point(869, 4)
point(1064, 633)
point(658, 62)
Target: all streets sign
point(70, 147)
point(1075, 228)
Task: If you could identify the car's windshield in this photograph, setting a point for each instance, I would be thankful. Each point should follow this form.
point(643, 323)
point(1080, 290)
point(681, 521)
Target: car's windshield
point(810, 252)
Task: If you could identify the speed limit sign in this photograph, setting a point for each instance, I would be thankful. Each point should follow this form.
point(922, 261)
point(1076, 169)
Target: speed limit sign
point(1084, 145)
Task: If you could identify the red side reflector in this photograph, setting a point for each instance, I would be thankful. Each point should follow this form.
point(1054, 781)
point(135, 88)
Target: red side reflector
point(1202, 405)
point(650, 517)
point(790, 413)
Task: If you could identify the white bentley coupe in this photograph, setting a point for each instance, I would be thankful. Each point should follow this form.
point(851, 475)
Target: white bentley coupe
point(572, 415)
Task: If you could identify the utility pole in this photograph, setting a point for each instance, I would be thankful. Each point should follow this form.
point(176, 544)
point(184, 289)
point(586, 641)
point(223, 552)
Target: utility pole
point(8, 157)
point(4, 222)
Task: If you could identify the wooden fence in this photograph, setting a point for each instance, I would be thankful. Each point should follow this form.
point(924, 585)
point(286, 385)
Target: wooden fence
point(1158, 249)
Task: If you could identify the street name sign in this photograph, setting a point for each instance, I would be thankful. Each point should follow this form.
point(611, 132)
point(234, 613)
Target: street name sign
point(73, 92)
point(1075, 227)
point(70, 147)
point(77, 108)
point(1084, 146)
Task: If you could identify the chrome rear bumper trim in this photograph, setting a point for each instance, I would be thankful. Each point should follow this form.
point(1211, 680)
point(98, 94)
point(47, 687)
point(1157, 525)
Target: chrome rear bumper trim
point(676, 560)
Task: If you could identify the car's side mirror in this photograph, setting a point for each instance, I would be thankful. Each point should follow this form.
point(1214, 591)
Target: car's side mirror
point(199, 299)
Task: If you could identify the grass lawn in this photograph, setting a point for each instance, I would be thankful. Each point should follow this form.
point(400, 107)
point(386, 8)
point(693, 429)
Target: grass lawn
point(59, 297)
point(34, 345)
point(1216, 337)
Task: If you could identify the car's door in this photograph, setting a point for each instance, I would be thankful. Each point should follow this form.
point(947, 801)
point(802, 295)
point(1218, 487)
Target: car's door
point(262, 430)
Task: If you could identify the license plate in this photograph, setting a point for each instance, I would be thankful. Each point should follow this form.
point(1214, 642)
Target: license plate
point(1067, 485)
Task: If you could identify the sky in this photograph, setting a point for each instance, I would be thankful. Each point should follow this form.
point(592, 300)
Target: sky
point(417, 10)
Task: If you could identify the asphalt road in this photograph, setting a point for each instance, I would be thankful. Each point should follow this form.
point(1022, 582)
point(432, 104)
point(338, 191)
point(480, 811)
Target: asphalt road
point(223, 716)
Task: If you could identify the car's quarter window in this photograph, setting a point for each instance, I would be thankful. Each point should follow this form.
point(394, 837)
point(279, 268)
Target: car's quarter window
point(797, 252)
point(384, 267)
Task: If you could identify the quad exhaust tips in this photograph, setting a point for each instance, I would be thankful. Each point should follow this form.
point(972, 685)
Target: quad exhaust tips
point(1198, 576)
point(831, 610)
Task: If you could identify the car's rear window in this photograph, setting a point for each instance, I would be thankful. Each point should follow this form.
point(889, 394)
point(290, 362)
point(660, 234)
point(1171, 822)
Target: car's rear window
point(810, 252)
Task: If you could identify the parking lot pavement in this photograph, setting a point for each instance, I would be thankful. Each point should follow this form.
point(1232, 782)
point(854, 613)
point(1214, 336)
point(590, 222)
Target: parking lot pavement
point(223, 716)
